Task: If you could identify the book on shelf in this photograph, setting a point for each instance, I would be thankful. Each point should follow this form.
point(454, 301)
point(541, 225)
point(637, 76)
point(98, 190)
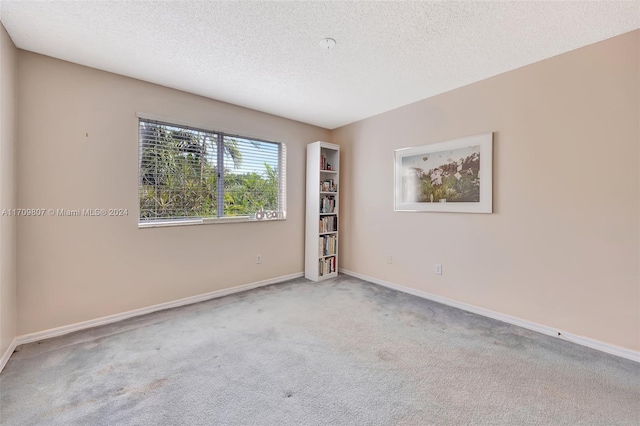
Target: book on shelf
point(328, 224)
point(327, 266)
point(327, 204)
point(328, 185)
point(327, 245)
point(323, 163)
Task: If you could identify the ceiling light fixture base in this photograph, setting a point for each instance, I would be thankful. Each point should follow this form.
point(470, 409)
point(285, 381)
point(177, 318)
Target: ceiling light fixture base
point(327, 44)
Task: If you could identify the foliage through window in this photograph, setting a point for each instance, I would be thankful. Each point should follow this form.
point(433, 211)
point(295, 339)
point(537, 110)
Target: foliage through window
point(188, 175)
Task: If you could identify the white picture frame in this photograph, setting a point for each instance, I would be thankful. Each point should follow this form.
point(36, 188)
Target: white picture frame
point(450, 176)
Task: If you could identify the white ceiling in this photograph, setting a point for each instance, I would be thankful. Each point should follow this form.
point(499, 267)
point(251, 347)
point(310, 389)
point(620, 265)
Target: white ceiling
point(265, 55)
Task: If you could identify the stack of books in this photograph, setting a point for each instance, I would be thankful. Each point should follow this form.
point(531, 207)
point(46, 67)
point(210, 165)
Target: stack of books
point(327, 245)
point(328, 224)
point(327, 266)
point(327, 204)
point(328, 186)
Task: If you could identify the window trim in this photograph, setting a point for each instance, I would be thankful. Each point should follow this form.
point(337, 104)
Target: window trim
point(164, 223)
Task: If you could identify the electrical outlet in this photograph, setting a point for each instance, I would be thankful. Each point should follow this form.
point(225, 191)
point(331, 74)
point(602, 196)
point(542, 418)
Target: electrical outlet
point(389, 259)
point(438, 269)
point(258, 259)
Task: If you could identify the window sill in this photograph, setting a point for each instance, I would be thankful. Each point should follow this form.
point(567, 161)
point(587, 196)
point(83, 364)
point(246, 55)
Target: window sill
point(203, 221)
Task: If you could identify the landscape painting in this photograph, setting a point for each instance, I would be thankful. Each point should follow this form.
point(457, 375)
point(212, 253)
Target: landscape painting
point(452, 176)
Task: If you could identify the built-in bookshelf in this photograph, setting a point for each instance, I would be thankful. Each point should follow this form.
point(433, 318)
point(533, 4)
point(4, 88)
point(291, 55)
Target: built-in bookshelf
point(321, 239)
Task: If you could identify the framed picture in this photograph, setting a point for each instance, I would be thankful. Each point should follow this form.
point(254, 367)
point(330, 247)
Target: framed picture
point(451, 176)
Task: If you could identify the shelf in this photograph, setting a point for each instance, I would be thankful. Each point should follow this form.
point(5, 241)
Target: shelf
point(329, 255)
point(326, 277)
point(322, 202)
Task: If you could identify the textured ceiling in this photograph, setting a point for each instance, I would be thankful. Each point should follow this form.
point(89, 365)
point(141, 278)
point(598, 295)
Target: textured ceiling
point(265, 55)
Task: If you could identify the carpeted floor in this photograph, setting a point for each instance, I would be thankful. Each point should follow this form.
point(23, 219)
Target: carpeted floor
point(340, 352)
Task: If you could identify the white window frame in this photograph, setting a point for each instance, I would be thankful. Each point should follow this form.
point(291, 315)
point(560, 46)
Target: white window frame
point(266, 217)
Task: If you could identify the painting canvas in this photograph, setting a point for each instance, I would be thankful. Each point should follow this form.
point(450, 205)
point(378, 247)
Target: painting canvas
point(452, 176)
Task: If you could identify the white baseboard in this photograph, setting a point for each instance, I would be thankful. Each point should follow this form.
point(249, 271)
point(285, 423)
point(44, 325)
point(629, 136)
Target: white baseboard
point(59, 331)
point(7, 354)
point(550, 331)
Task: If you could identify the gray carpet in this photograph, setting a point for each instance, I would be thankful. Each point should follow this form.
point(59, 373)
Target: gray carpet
point(341, 352)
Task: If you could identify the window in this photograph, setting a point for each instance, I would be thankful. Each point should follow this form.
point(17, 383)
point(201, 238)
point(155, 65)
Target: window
point(190, 175)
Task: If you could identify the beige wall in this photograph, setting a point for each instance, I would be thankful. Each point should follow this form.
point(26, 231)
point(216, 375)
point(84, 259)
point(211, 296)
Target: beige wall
point(562, 247)
point(74, 269)
point(8, 142)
